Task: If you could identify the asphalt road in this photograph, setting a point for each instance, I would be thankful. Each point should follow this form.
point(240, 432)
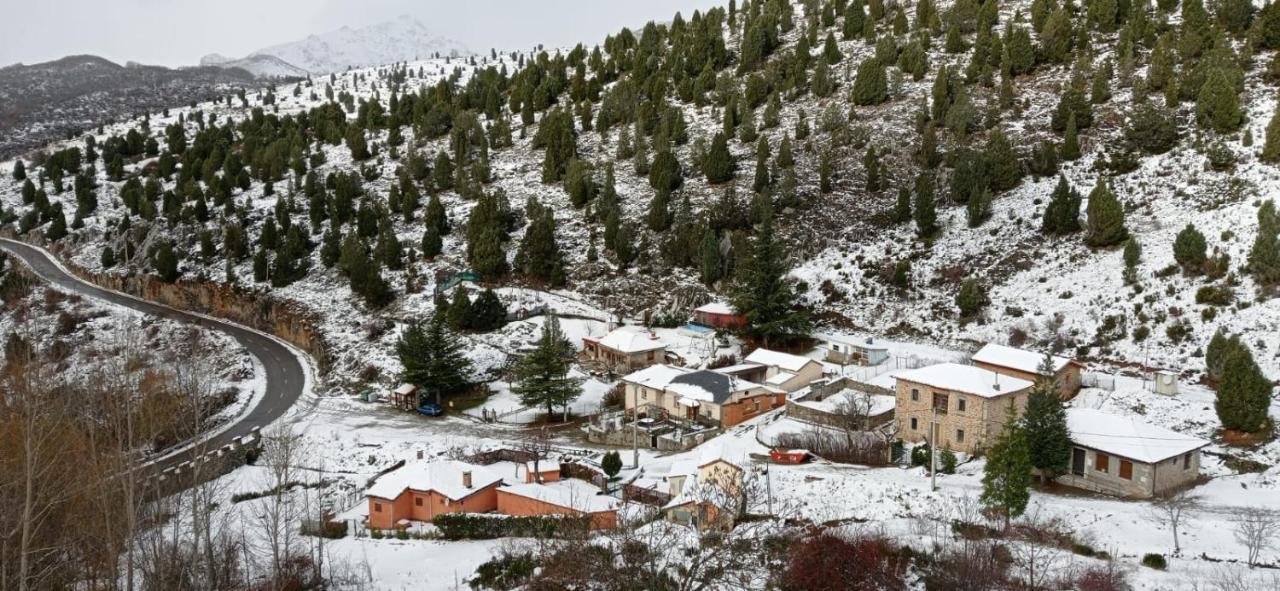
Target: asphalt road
point(285, 376)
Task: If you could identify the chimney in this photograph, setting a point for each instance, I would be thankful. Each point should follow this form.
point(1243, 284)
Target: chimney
point(466, 479)
point(996, 386)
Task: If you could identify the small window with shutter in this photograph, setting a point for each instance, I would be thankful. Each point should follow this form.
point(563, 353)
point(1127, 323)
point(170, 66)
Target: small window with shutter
point(1101, 462)
point(1126, 469)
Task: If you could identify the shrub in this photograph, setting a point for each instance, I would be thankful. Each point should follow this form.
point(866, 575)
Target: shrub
point(464, 526)
point(824, 561)
point(1156, 561)
point(508, 571)
point(920, 455)
point(1214, 295)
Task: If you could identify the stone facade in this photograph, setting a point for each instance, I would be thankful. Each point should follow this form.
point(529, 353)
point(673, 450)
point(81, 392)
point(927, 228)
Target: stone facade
point(1123, 477)
point(966, 422)
point(1068, 377)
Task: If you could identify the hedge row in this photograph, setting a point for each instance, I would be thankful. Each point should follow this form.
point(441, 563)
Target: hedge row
point(470, 526)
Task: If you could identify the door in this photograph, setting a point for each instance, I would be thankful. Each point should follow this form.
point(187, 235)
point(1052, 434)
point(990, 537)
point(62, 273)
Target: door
point(1077, 461)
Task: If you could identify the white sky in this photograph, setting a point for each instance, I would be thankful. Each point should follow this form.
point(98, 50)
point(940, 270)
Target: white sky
point(180, 32)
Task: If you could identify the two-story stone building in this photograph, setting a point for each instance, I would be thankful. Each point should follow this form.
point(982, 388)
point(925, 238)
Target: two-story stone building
point(968, 404)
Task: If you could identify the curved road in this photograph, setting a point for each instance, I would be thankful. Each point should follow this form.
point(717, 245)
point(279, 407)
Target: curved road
point(285, 377)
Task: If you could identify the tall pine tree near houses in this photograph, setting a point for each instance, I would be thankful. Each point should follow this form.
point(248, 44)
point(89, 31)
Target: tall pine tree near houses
point(432, 359)
point(764, 293)
point(542, 375)
point(1008, 471)
point(1048, 438)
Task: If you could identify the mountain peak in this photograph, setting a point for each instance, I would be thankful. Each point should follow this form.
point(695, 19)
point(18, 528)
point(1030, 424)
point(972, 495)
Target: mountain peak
point(399, 39)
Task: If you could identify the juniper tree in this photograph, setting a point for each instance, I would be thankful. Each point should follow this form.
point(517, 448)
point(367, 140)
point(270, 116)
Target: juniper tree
point(432, 359)
point(1003, 169)
point(761, 180)
point(487, 312)
point(1271, 144)
point(709, 265)
point(925, 209)
point(978, 209)
point(1217, 105)
point(902, 208)
point(1189, 249)
point(718, 165)
point(871, 162)
point(1062, 214)
point(1070, 140)
point(19, 170)
point(165, 262)
point(1132, 256)
point(1264, 255)
point(458, 314)
point(1219, 348)
point(261, 265)
point(539, 255)
point(830, 51)
point(1105, 217)
point(1244, 394)
point(971, 298)
point(1007, 476)
point(870, 85)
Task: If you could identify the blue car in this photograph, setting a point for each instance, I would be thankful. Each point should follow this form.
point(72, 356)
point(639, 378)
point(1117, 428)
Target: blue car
point(431, 410)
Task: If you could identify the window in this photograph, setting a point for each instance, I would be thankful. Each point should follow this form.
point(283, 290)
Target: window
point(959, 404)
point(644, 395)
point(377, 507)
point(757, 405)
point(1186, 461)
point(941, 402)
point(913, 423)
point(417, 501)
point(959, 435)
point(1126, 469)
point(915, 395)
point(1101, 462)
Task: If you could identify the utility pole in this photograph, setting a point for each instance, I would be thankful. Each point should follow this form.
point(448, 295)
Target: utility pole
point(635, 436)
point(768, 486)
point(933, 446)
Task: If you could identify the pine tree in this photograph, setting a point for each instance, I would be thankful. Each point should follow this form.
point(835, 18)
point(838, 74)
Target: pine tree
point(1004, 170)
point(925, 210)
point(830, 51)
point(108, 257)
point(902, 209)
point(19, 170)
point(1190, 249)
point(1105, 217)
point(542, 375)
point(710, 259)
point(432, 359)
point(871, 162)
point(764, 293)
point(870, 84)
point(539, 255)
point(165, 262)
point(1220, 347)
point(971, 298)
point(487, 312)
point(1008, 472)
point(1264, 256)
point(1048, 438)
point(761, 180)
point(1070, 141)
point(1271, 144)
point(1244, 394)
point(458, 314)
point(557, 135)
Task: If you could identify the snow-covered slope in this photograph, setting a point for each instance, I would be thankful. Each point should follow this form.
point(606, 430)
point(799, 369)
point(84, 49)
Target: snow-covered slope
point(261, 66)
point(400, 39)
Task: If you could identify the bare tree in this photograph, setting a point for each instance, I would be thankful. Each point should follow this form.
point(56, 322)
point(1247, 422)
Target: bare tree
point(1172, 510)
point(537, 445)
point(281, 454)
point(1256, 529)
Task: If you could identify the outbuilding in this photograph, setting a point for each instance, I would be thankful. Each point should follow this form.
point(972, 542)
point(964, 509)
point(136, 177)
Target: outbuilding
point(1123, 456)
point(719, 315)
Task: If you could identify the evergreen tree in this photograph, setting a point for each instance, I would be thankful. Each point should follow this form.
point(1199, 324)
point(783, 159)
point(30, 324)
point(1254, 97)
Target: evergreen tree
point(1271, 144)
point(1264, 256)
point(557, 135)
point(871, 162)
point(1244, 393)
point(870, 84)
point(165, 262)
point(761, 180)
point(1132, 256)
point(19, 171)
point(1220, 347)
point(458, 314)
point(539, 255)
point(1070, 141)
point(1008, 472)
point(487, 312)
point(971, 298)
point(432, 359)
point(542, 375)
point(1217, 105)
point(1190, 249)
point(831, 51)
point(1048, 438)
point(718, 164)
point(1062, 215)
point(611, 464)
point(108, 257)
point(764, 293)
point(665, 174)
point(1104, 217)
point(1004, 170)
point(902, 209)
point(978, 209)
point(925, 210)
point(710, 259)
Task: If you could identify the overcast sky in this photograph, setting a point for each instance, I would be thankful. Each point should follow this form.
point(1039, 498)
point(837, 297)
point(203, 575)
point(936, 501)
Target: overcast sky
point(180, 32)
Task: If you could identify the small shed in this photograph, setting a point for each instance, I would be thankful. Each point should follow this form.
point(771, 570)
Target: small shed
point(719, 315)
point(789, 456)
point(405, 397)
point(847, 351)
point(1166, 382)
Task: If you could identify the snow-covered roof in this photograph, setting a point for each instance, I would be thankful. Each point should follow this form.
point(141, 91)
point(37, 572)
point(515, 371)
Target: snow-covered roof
point(442, 476)
point(786, 361)
point(710, 386)
point(779, 378)
point(1019, 359)
point(865, 344)
point(544, 466)
point(406, 389)
point(1127, 437)
point(964, 378)
point(655, 376)
point(715, 308)
point(727, 449)
point(569, 494)
point(739, 368)
point(631, 339)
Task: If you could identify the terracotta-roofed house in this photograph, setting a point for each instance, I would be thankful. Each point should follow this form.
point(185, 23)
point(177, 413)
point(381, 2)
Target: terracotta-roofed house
point(625, 349)
point(564, 497)
point(1123, 456)
point(423, 490)
point(969, 404)
point(1026, 365)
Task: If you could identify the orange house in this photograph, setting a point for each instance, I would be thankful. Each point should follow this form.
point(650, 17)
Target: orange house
point(719, 315)
point(566, 497)
point(422, 491)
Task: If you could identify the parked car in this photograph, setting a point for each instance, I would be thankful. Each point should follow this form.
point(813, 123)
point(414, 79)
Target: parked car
point(431, 409)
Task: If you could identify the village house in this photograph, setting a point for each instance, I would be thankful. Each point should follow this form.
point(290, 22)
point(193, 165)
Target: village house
point(969, 404)
point(421, 491)
point(1026, 365)
point(784, 371)
point(1123, 456)
point(850, 352)
point(625, 349)
point(564, 497)
point(708, 490)
point(719, 315)
point(707, 396)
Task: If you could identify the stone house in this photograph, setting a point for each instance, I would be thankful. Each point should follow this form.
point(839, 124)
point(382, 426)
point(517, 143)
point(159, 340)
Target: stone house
point(1125, 457)
point(1025, 365)
point(625, 349)
point(968, 404)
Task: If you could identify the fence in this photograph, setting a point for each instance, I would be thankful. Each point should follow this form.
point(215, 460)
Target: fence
point(647, 496)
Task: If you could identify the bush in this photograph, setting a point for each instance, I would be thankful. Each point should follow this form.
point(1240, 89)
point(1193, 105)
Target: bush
point(1215, 295)
point(465, 526)
point(824, 561)
point(1152, 130)
point(920, 455)
point(501, 573)
point(1156, 561)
